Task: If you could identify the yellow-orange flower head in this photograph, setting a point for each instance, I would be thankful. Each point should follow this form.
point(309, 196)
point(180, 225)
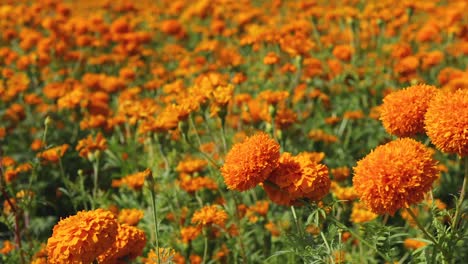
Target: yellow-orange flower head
point(250, 162)
point(209, 215)
point(128, 245)
point(297, 177)
point(447, 121)
point(395, 175)
point(82, 238)
point(402, 112)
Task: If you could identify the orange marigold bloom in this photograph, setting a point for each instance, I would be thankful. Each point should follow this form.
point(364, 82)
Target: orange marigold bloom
point(190, 165)
point(89, 145)
point(343, 52)
point(360, 213)
point(446, 121)
point(53, 154)
point(134, 181)
point(395, 175)
point(402, 112)
point(296, 178)
point(411, 243)
point(343, 193)
point(273, 97)
point(320, 135)
point(166, 255)
point(189, 233)
point(251, 162)
point(340, 174)
point(7, 247)
point(208, 215)
point(193, 184)
point(130, 216)
point(82, 238)
point(271, 58)
point(128, 245)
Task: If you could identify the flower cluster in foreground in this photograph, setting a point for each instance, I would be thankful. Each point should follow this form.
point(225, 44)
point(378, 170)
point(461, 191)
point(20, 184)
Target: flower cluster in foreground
point(395, 175)
point(94, 235)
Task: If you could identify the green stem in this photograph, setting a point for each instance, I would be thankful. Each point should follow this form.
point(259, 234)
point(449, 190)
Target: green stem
point(462, 196)
point(95, 175)
point(205, 246)
point(410, 212)
point(354, 234)
point(155, 214)
point(293, 210)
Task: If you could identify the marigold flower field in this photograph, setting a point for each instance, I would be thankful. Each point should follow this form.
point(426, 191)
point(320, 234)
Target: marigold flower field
point(249, 131)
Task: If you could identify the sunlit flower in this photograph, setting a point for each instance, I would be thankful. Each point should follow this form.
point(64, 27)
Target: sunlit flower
point(402, 112)
point(250, 163)
point(395, 175)
point(446, 121)
point(82, 238)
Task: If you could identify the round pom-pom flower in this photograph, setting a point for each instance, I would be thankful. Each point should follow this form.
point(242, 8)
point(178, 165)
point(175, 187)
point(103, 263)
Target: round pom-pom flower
point(402, 112)
point(447, 121)
point(297, 177)
point(395, 175)
point(82, 238)
point(250, 162)
point(128, 245)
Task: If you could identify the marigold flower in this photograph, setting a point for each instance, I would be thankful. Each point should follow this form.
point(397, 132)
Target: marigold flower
point(7, 247)
point(191, 165)
point(320, 135)
point(134, 181)
point(53, 154)
point(130, 216)
point(395, 175)
point(82, 238)
point(343, 193)
point(360, 213)
point(166, 255)
point(273, 228)
point(128, 245)
point(343, 52)
point(189, 233)
point(402, 112)
point(251, 162)
point(89, 145)
point(341, 173)
point(193, 184)
point(411, 243)
point(296, 178)
point(446, 121)
point(208, 215)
